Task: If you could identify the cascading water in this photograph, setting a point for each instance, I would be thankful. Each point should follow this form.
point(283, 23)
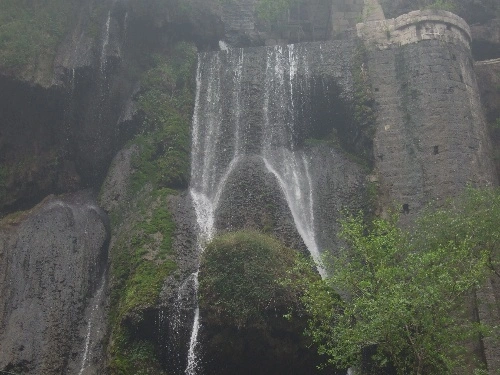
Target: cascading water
point(229, 126)
point(208, 172)
point(105, 44)
point(289, 166)
point(95, 304)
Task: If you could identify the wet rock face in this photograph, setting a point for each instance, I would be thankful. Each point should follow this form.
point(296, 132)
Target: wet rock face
point(35, 158)
point(488, 78)
point(52, 261)
point(253, 199)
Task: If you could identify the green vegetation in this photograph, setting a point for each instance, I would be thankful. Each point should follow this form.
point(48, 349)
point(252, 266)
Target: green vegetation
point(272, 9)
point(142, 256)
point(30, 31)
point(241, 278)
point(140, 262)
point(166, 99)
point(406, 295)
point(364, 114)
point(133, 357)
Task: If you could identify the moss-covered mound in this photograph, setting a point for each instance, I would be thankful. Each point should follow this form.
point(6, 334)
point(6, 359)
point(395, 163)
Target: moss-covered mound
point(250, 308)
point(241, 278)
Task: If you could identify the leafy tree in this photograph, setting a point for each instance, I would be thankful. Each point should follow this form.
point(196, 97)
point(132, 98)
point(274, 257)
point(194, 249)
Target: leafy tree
point(405, 295)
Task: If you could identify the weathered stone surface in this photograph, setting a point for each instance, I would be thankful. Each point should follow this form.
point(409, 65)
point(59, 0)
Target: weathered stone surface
point(426, 147)
point(431, 139)
point(414, 27)
point(116, 187)
point(473, 11)
point(488, 77)
point(305, 21)
point(52, 266)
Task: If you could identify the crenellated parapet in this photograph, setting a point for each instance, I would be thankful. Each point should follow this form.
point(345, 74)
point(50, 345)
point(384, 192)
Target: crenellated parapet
point(414, 27)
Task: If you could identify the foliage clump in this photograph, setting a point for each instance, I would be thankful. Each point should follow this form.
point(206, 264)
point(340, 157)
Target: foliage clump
point(242, 278)
point(142, 258)
point(166, 99)
point(30, 32)
point(406, 295)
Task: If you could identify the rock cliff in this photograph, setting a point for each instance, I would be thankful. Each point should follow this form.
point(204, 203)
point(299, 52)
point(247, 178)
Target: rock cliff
point(53, 259)
point(386, 112)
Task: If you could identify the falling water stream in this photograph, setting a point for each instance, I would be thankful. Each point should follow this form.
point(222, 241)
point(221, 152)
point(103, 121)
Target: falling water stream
point(105, 43)
point(95, 304)
point(220, 140)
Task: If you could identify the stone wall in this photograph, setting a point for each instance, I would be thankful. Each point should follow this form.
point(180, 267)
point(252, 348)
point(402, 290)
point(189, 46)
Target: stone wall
point(426, 146)
point(304, 21)
point(431, 138)
point(415, 27)
point(344, 16)
point(488, 77)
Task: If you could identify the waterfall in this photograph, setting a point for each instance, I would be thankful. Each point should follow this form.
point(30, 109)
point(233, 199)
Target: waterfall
point(240, 112)
point(289, 166)
point(105, 44)
point(208, 172)
point(96, 302)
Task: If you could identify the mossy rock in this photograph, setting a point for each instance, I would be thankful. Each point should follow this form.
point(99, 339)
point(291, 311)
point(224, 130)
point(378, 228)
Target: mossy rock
point(242, 278)
point(251, 314)
point(30, 33)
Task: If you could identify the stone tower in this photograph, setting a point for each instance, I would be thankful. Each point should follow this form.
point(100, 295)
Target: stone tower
point(431, 138)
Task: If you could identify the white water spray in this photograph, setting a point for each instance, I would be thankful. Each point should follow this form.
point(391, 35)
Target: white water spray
point(219, 144)
point(290, 167)
point(88, 339)
point(208, 176)
point(105, 43)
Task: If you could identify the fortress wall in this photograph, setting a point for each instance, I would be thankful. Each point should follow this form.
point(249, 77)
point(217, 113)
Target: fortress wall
point(431, 138)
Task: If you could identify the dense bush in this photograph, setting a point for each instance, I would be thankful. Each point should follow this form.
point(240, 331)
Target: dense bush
point(242, 278)
point(166, 99)
point(406, 295)
point(250, 307)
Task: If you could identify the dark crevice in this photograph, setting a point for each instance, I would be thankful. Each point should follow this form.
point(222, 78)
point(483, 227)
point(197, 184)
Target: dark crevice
point(406, 208)
point(484, 50)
